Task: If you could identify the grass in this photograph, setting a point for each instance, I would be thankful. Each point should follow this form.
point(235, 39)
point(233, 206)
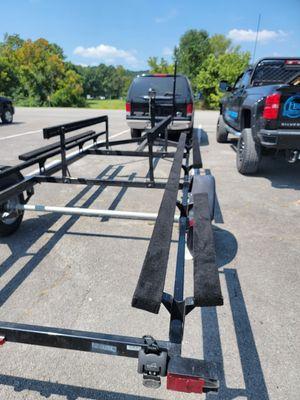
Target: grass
point(106, 104)
point(120, 104)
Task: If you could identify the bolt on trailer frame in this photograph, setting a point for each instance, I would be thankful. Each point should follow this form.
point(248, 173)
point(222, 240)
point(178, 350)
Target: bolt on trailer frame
point(156, 358)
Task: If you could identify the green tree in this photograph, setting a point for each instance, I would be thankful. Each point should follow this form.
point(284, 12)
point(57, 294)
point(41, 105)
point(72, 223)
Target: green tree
point(219, 44)
point(160, 67)
point(36, 71)
point(69, 92)
point(103, 80)
point(8, 77)
point(194, 47)
point(214, 69)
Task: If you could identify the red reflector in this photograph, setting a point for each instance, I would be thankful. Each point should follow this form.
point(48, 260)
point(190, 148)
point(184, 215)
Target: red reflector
point(292, 62)
point(189, 108)
point(160, 75)
point(187, 384)
point(272, 106)
point(2, 340)
point(128, 107)
point(191, 222)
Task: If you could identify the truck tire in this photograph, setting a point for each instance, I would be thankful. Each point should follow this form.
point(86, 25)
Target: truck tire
point(9, 224)
point(136, 133)
point(222, 134)
point(248, 153)
point(7, 116)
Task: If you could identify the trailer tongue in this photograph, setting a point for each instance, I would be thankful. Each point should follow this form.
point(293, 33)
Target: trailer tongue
point(156, 358)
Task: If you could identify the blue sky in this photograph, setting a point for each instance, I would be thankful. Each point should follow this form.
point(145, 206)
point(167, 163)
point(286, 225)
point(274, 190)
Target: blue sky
point(128, 32)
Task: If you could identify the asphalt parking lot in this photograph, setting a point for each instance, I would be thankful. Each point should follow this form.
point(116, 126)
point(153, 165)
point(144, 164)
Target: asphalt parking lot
point(80, 273)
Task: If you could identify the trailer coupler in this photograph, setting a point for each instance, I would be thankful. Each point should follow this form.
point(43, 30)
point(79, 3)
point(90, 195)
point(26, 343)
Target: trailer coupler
point(186, 375)
point(152, 363)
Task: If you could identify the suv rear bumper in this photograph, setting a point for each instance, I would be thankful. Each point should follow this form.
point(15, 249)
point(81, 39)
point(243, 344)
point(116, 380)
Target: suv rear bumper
point(280, 139)
point(178, 124)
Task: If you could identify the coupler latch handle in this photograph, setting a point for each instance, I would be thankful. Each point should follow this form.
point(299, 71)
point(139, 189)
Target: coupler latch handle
point(152, 363)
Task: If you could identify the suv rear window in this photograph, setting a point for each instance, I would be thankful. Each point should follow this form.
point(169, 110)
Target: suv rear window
point(163, 87)
point(271, 72)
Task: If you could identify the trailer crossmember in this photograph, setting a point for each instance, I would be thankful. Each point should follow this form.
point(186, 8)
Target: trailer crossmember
point(156, 358)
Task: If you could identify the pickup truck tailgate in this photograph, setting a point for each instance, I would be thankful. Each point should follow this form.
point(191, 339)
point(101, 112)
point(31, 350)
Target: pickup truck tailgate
point(289, 113)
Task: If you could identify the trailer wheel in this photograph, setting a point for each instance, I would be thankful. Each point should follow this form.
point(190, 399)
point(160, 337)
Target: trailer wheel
point(10, 222)
point(7, 116)
point(248, 153)
point(136, 133)
point(222, 134)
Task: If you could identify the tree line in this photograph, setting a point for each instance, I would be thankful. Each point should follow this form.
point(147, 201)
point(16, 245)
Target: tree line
point(36, 73)
point(205, 60)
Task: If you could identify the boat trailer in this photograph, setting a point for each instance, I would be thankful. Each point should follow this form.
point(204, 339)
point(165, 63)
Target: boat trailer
point(156, 358)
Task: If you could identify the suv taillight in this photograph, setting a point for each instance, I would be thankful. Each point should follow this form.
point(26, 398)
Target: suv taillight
point(189, 109)
point(272, 106)
point(128, 108)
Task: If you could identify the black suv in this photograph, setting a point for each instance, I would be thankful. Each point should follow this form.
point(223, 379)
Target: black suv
point(6, 110)
point(137, 104)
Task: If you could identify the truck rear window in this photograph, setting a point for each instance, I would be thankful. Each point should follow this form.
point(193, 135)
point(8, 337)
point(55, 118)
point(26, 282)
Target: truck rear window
point(163, 87)
point(271, 72)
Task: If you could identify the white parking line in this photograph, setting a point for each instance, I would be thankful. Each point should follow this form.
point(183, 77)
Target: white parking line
point(119, 134)
point(21, 134)
point(57, 161)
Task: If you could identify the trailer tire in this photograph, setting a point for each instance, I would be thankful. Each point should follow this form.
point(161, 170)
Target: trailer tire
point(248, 153)
point(9, 225)
point(136, 133)
point(221, 134)
point(7, 116)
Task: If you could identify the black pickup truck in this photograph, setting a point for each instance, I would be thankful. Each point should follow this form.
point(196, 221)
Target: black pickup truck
point(6, 110)
point(262, 109)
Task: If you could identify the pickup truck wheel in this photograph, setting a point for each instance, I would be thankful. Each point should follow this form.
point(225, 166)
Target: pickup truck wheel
point(10, 221)
point(222, 134)
point(7, 116)
point(248, 154)
point(136, 133)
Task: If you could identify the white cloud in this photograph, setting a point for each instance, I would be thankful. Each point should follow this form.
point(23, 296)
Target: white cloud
point(171, 14)
point(108, 54)
point(167, 51)
point(248, 35)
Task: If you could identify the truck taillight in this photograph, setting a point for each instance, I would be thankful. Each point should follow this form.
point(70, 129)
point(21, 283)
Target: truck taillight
point(272, 105)
point(128, 108)
point(292, 62)
point(189, 108)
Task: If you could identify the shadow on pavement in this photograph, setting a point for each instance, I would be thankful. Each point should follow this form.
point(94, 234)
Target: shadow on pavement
point(277, 170)
point(20, 242)
point(255, 386)
point(13, 123)
point(47, 389)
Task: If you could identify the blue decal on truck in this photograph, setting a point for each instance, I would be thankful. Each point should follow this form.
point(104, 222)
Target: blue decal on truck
point(291, 108)
point(231, 114)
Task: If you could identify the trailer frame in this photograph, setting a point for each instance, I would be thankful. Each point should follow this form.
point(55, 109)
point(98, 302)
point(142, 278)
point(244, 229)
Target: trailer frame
point(156, 358)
